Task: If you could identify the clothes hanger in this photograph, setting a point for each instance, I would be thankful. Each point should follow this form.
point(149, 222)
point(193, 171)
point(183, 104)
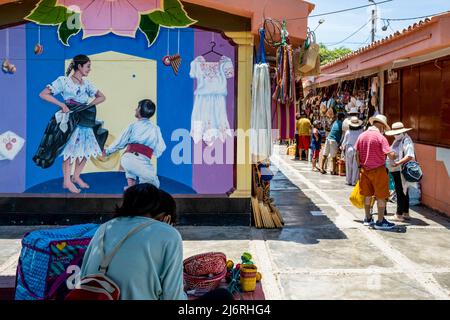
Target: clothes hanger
point(213, 43)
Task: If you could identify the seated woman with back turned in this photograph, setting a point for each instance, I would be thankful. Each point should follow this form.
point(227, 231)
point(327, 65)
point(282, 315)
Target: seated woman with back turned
point(149, 265)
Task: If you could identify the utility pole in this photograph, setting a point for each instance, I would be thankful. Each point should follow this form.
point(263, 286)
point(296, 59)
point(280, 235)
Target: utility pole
point(373, 25)
point(374, 18)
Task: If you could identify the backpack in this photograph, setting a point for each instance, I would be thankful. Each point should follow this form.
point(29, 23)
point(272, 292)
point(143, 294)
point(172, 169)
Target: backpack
point(412, 172)
point(44, 260)
point(99, 286)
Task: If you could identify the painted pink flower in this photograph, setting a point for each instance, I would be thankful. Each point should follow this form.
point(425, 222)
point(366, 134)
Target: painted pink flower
point(99, 17)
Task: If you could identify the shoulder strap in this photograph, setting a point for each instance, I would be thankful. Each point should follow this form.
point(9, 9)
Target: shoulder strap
point(103, 268)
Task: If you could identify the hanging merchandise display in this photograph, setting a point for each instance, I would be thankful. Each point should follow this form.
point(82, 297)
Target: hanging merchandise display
point(309, 62)
point(209, 120)
point(374, 94)
point(38, 48)
point(261, 133)
point(284, 92)
point(7, 66)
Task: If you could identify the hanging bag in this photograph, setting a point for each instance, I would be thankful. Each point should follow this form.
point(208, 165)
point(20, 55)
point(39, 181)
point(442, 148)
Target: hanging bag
point(412, 172)
point(46, 256)
point(314, 71)
point(310, 55)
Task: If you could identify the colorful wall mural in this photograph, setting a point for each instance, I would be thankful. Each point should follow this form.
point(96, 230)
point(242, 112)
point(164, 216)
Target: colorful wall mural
point(126, 71)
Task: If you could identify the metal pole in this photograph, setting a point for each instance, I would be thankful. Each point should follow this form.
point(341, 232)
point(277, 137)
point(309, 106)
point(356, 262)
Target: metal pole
point(373, 26)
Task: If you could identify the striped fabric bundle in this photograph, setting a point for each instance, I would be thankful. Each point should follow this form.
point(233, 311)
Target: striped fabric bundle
point(284, 95)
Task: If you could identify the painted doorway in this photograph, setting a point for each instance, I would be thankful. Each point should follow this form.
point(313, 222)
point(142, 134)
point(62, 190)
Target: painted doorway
point(124, 80)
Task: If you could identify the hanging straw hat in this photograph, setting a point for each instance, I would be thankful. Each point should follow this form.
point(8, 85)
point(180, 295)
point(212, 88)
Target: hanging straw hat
point(397, 128)
point(381, 119)
point(355, 122)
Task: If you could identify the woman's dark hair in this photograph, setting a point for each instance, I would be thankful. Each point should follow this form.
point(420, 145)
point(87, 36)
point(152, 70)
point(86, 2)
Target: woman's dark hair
point(78, 60)
point(143, 199)
point(146, 108)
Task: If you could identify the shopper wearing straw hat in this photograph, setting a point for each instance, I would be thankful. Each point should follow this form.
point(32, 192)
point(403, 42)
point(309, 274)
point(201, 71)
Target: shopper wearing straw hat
point(345, 125)
point(404, 148)
point(372, 148)
point(348, 147)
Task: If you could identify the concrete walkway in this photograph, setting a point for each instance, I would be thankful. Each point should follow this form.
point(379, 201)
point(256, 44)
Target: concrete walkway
point(324, 251)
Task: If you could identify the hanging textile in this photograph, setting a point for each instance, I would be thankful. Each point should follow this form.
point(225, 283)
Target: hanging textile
point(284, 120)
point(261, 133)
point(284, 95)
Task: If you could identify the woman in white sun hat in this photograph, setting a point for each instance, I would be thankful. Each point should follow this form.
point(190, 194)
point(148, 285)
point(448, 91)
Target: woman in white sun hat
point(404, 148)
point(348, 146)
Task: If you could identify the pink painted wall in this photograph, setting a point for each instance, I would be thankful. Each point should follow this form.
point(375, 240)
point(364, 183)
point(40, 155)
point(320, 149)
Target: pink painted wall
point(436, 181)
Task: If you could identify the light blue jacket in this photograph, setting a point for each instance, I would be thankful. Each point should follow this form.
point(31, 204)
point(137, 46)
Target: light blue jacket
point(148, 266)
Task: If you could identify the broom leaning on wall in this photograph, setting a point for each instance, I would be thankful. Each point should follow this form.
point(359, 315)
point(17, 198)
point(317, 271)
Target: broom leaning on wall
point(265, 213)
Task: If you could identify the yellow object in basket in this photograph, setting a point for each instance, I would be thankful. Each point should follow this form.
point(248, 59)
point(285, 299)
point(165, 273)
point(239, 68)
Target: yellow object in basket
point(230, 264)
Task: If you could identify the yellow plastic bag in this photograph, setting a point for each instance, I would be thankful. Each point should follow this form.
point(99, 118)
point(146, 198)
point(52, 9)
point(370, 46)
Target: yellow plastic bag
point(356, 198)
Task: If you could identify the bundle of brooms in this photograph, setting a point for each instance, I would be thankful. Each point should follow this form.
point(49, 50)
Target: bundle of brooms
point(265, 214)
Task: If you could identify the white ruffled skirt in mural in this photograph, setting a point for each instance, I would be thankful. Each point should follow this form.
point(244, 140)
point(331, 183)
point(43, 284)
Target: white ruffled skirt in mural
point(209, 119)
point(82, 144)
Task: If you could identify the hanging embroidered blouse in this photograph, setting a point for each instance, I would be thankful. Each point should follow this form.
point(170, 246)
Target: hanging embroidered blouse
point(209, 119)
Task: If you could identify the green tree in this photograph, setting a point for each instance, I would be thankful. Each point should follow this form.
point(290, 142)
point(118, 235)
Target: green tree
point(328, 55)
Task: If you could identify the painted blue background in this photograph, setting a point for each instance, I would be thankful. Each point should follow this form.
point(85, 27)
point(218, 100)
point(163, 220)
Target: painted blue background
point(175, 93)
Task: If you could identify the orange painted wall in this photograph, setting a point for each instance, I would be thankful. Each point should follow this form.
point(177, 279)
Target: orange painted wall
point(256, 9)
point(435, 184)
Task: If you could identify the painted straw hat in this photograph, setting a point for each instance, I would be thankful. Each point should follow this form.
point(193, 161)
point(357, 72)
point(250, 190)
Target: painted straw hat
point(397, 128)
point(381, 119)
point(355, 122)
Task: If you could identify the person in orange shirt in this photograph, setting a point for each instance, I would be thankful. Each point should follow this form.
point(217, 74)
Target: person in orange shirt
point(304, 134)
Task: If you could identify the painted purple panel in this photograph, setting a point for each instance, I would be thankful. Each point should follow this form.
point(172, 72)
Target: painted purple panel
point(215, 178)
point(13, 108)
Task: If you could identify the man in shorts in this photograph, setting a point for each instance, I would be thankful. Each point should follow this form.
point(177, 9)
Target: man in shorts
point(371, 150)
point(332, 144)
point(304, 134)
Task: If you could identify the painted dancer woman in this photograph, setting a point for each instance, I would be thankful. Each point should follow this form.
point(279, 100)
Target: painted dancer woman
point(78, 136)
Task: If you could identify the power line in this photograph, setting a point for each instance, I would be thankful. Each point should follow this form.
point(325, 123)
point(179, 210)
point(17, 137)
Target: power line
point(338, 11)
point(414, 18)
point(359, 29)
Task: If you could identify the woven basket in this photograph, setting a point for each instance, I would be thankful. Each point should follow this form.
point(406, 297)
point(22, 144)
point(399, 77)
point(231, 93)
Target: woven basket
point(205, 264)
point(203, 284)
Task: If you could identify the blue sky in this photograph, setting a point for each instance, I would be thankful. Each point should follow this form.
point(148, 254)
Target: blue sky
point(339, 26)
